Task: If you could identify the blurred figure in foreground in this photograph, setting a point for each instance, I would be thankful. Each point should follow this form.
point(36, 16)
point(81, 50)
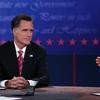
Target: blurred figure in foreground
point(98, 60)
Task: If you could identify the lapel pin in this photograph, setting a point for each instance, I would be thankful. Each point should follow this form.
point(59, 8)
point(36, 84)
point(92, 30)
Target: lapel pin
point(30, 55)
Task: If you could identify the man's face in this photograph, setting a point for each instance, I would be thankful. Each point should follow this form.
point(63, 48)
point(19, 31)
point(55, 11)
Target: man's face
point(23, 34)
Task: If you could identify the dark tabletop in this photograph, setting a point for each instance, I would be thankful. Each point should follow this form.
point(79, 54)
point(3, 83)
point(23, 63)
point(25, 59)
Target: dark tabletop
point(53, 93)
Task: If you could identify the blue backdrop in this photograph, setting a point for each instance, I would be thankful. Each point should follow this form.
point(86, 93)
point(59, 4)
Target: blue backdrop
point(70, 32)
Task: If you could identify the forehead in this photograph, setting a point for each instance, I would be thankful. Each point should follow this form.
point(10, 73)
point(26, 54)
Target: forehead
point(24, 23)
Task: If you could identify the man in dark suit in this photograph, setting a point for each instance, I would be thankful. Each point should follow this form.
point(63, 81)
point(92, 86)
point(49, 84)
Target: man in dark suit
point(32, 62)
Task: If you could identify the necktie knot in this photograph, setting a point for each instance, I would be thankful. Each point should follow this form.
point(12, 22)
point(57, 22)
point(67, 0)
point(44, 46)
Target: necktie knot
point(20, 52)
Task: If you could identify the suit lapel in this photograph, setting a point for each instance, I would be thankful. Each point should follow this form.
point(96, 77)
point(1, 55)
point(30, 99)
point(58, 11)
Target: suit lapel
point(30, 53)
point(27, 53)
point(13, 58)
point(29, 61)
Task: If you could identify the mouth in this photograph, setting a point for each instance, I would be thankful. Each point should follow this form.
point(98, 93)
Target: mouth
point(27, 39)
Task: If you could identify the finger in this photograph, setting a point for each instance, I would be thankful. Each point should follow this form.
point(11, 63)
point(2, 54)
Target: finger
point(11, 84)
point(14, 86)
point(23, 84)
point(14, 77)
point(20, 85)
point(98, 64)
point(22, 78)
point(97, 61)
point(98, 57)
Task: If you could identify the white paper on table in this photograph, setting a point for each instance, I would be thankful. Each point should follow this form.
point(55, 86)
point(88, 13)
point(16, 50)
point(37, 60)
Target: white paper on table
point(2, 88)
point(9, 98)
point(96, 93)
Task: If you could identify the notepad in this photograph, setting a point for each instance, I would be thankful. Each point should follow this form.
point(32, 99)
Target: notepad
point(9, 98)
point(2, 88)
point(96, 93)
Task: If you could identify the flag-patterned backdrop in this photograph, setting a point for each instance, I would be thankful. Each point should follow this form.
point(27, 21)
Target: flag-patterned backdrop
point(70, 32)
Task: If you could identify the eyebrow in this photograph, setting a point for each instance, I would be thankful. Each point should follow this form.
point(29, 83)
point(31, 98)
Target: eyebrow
point(27, 30)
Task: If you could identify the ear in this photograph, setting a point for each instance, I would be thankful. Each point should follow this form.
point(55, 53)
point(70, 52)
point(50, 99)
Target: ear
point(14, 30)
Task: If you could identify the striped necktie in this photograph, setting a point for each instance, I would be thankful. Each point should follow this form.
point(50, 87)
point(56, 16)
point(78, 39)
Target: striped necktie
point(20, 61)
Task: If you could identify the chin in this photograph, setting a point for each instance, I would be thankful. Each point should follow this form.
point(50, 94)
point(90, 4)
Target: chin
point(28, 42)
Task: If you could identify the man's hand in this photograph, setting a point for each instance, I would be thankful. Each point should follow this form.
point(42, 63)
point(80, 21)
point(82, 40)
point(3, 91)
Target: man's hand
point(17, 83)
point(98, 61)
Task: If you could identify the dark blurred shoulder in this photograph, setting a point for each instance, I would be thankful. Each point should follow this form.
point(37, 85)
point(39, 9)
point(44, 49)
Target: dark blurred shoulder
point(6, 44)
point(37, 47)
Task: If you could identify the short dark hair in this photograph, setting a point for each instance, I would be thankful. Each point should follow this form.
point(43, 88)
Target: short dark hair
point(16, 20)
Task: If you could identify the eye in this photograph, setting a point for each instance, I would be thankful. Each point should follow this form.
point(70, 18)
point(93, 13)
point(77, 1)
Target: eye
point(26, 30)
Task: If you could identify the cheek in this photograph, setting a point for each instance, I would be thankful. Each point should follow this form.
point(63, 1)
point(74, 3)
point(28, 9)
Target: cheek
point(20, 37)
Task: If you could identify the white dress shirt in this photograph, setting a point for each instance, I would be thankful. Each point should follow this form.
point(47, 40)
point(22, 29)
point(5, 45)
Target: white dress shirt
point(31, 82)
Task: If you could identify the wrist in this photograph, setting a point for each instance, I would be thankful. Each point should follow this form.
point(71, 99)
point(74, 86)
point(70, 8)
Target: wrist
point(28, 84)
point(7, 84)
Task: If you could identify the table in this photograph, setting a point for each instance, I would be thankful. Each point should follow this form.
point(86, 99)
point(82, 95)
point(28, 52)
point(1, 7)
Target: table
point(60, 93)
point(76, 93)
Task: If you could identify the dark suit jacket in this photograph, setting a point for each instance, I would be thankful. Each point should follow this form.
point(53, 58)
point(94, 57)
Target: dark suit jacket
point(34, 65)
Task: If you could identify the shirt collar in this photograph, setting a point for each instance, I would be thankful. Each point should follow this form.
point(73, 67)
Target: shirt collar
point(17, 49)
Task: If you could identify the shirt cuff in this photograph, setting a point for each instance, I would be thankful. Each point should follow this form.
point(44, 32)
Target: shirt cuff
point(2, 83)
point(32, 83)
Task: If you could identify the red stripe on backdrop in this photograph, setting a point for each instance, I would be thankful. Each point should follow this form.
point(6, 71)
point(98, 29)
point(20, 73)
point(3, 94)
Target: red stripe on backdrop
point(74, 69)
